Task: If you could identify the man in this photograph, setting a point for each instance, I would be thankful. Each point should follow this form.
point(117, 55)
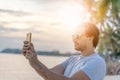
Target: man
point(87, 66)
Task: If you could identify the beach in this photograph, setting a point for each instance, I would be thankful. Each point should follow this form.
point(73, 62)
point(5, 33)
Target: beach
point(16, 67)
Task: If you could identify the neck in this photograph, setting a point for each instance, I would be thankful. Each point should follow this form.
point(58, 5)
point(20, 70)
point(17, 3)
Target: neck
point(87, 51)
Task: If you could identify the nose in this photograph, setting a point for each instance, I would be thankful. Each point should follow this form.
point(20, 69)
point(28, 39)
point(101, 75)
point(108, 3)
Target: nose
point(74, 38)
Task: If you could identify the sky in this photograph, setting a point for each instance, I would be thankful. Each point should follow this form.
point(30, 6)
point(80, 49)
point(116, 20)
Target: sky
point(52, 23)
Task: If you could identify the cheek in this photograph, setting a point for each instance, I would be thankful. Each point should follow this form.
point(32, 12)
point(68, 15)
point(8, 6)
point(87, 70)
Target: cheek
point(78, 42)
point(81, 43)
point(75, 41)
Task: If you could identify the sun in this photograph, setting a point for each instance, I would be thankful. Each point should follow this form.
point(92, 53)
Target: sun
point(71, 15)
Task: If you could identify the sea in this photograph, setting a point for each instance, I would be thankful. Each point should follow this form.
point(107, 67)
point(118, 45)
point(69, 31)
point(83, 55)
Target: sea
point(16, 67)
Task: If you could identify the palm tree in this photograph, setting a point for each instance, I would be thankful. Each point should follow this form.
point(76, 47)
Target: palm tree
point(106, 14)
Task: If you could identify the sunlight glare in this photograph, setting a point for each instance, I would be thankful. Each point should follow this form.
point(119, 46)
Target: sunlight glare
point(71, 15)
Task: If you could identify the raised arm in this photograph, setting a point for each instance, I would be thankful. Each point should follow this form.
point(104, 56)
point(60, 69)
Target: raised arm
point(53, 75)
point(57, 69)
point(42, 70)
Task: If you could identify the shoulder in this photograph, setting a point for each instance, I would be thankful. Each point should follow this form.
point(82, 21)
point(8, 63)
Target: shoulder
point(96, 58)
point(68, 61)
point(73, 58)
point(95, 64)
point(100, 59)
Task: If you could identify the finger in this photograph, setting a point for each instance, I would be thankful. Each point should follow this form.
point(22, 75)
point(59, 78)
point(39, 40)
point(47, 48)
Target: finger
point(24, 52)
point(31, 44)
point(26, 48)
point(28, 54)
point(32, 47)
point(26, 45)
point(25, 42)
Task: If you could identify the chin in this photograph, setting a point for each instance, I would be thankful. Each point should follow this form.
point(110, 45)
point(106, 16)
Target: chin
point(77, 49)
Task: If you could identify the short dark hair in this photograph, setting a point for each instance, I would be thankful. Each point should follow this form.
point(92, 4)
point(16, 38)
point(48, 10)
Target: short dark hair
point(92, 30)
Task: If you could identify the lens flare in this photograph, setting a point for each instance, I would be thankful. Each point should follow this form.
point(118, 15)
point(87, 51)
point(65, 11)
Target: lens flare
point(71, 15)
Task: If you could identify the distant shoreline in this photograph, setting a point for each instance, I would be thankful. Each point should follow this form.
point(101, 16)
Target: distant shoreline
point(39, 54)
point(46, 53)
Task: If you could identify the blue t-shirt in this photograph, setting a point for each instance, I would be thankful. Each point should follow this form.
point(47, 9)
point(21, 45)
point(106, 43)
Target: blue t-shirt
point(93, 66)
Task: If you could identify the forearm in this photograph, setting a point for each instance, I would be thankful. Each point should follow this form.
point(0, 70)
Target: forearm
point(39, 68)
point(45, 72)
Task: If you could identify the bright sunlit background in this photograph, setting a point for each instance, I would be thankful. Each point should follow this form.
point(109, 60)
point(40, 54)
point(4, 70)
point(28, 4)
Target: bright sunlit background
point(51, 21)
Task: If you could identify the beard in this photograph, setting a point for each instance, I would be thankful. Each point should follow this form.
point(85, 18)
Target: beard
point(79, 47)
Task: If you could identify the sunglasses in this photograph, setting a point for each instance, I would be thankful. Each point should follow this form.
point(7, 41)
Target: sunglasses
point(77, 36)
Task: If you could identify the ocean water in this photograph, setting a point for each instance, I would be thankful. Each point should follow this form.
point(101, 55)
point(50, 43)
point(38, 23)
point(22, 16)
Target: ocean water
point(16, 67)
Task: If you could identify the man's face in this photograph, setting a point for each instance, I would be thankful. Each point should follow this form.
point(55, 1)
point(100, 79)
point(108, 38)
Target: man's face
point(80, 41)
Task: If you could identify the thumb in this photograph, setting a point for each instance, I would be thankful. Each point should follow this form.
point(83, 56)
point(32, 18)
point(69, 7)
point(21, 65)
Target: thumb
point(32, 47)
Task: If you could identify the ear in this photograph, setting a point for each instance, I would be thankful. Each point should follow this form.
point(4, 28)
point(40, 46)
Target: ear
point(90, 38)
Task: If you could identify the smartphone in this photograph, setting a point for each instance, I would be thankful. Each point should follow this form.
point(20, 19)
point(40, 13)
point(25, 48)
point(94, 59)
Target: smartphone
point(28, 37)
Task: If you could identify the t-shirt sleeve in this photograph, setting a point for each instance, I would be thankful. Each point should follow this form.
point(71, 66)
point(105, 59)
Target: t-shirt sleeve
point(93, 69)
point(65, 63)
